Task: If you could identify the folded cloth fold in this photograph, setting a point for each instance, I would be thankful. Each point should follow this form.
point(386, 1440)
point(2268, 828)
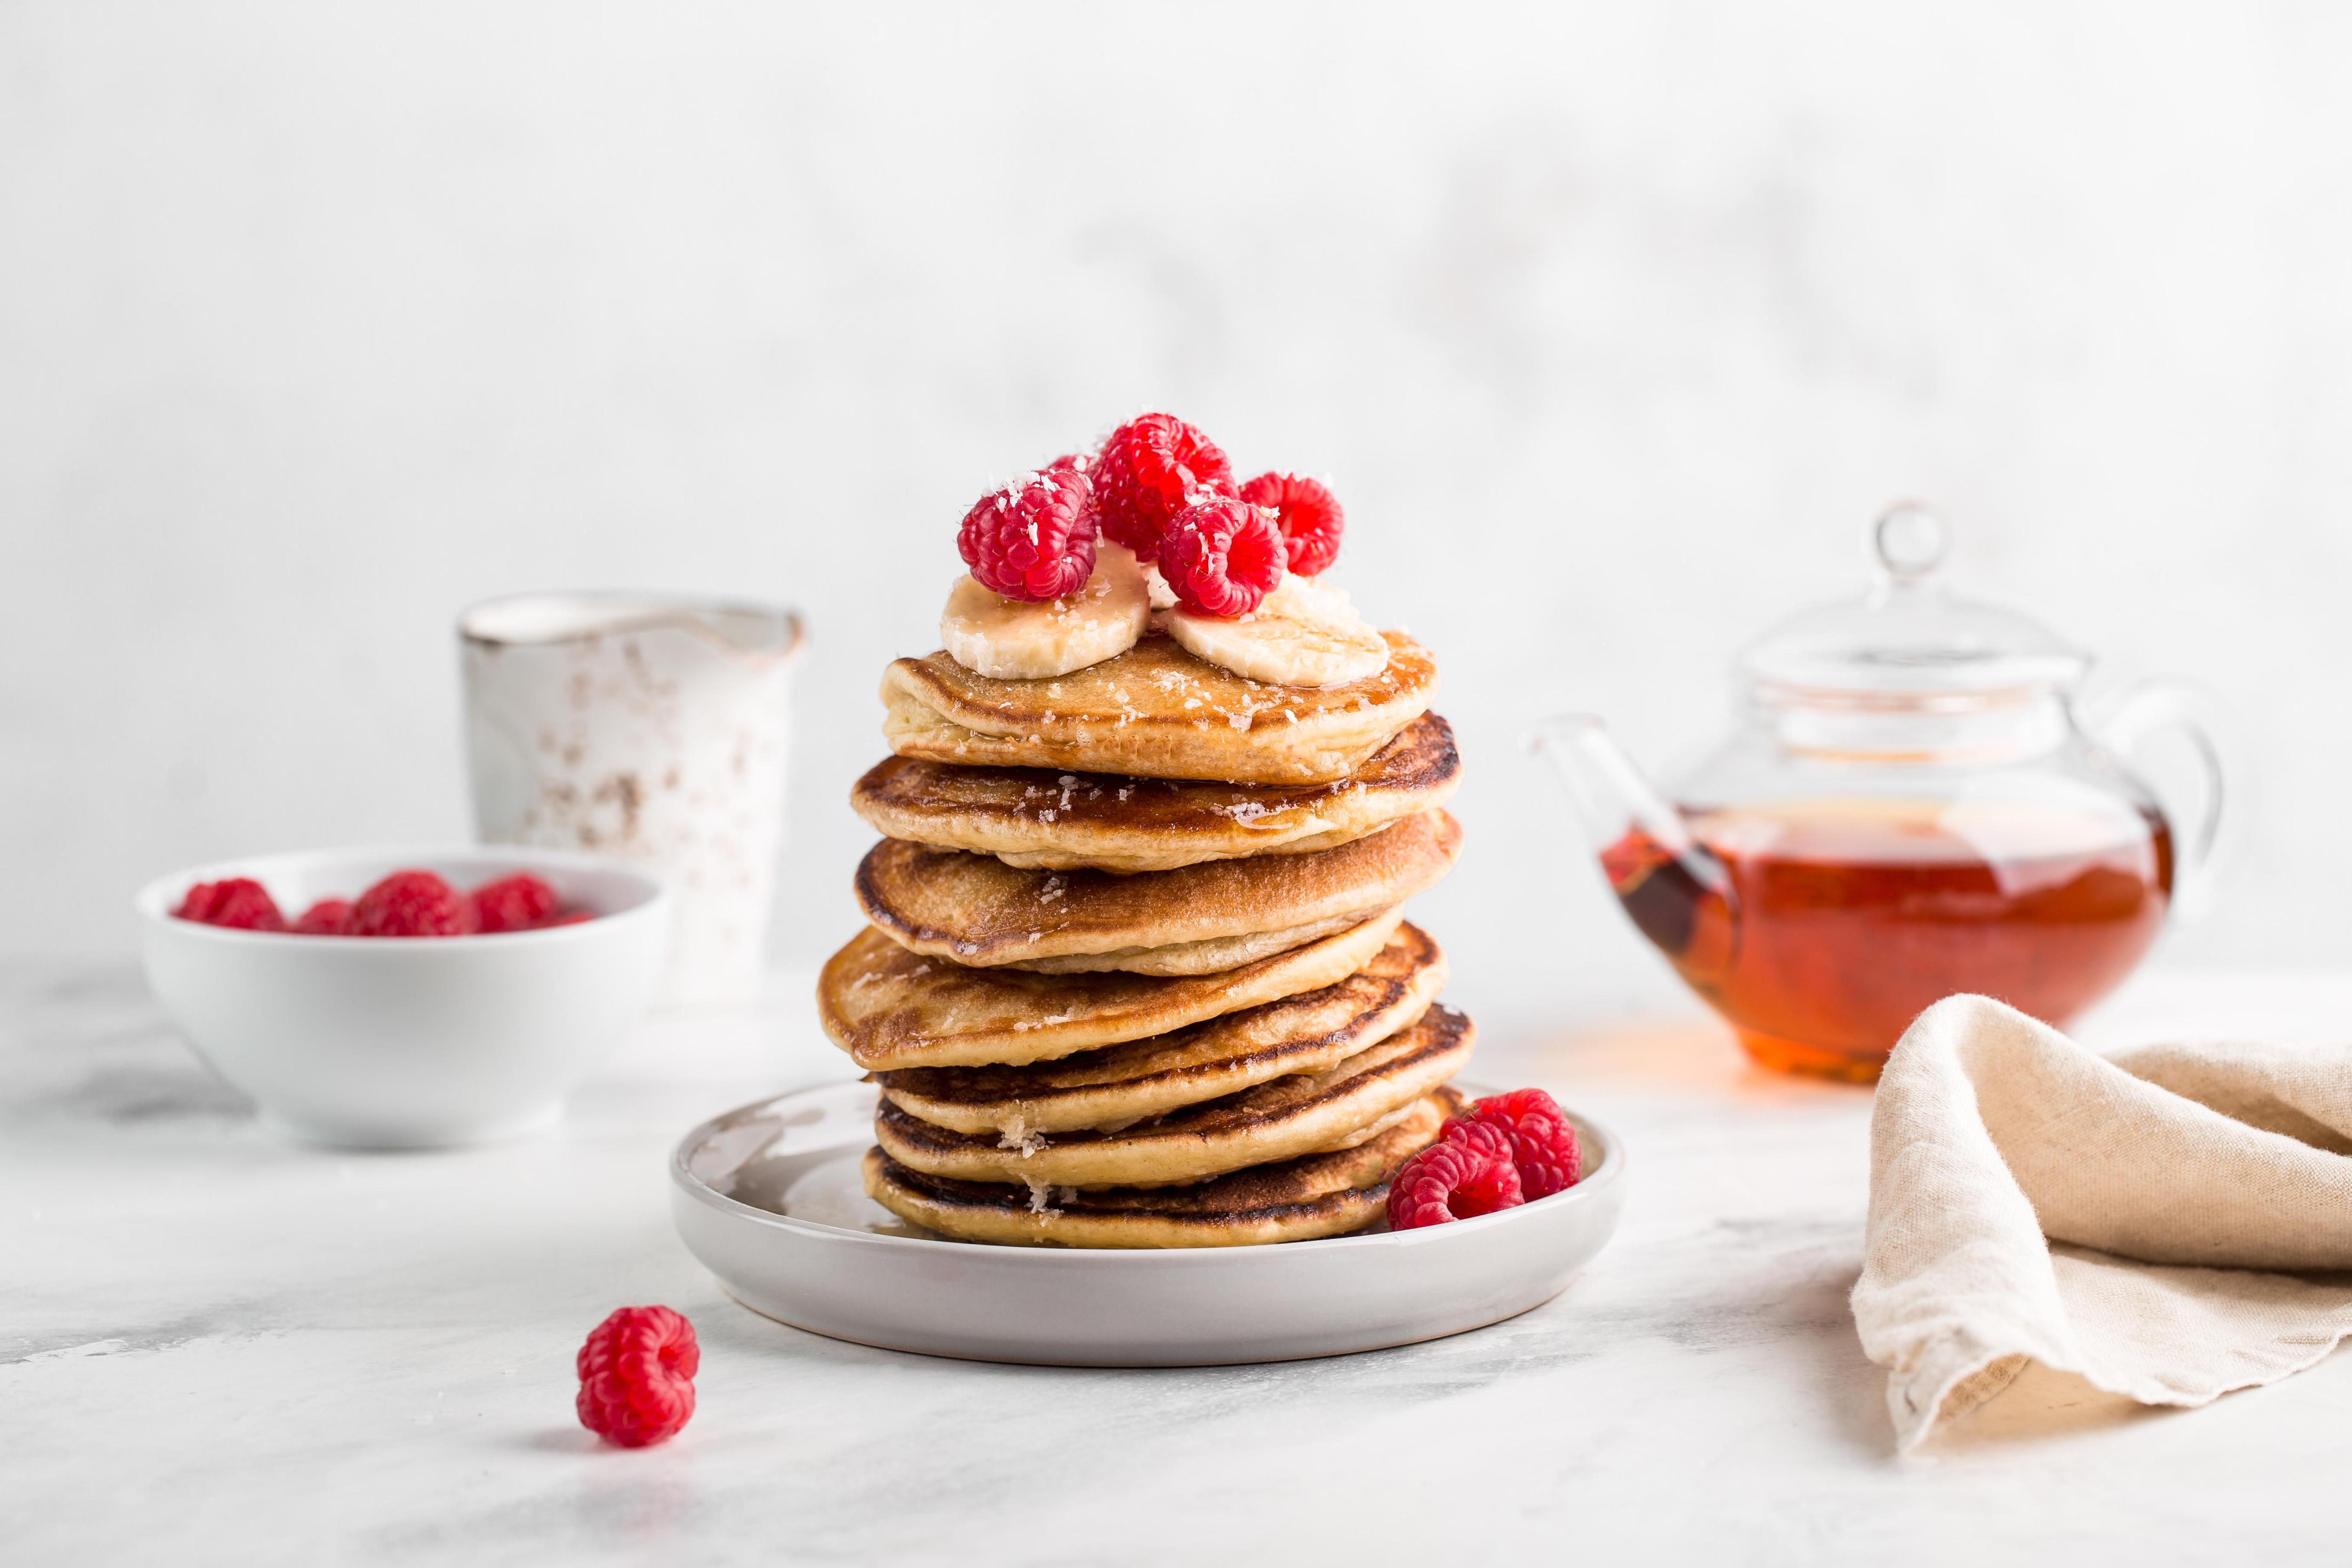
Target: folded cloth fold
point(2133, 1220)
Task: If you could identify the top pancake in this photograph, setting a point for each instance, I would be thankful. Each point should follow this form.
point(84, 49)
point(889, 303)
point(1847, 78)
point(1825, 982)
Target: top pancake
point(1158, 712)
point(1041, 820)
point(1198, 919)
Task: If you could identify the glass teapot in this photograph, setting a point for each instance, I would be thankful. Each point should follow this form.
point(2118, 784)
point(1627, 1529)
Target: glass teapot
point(1911, 807)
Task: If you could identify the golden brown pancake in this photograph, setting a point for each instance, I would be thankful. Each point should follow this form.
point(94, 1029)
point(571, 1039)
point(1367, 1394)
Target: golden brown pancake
point(889, 1008)
point(1120, 1084)
point(1155, 711)
point(1293, 1200)
point(1195, 920)
point(1037, 820)
point(1299, 1115)
point(1209, 955)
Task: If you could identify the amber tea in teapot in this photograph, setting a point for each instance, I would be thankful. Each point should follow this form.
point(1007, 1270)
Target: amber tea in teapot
point(1859, 914)
point(1910, 809)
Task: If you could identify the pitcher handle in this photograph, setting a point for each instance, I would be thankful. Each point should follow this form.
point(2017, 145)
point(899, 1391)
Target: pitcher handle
point(2162, 705)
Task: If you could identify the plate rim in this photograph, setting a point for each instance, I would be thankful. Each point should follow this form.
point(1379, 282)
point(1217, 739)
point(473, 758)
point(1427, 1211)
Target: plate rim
point(1609, 1174)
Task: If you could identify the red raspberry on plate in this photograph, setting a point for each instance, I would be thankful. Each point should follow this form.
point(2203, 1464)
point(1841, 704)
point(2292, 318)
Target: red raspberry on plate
point(1543, 1145)
point(1149, 469)
point(410, 903)
point(1034, 538)
point(325, 918)
point(239, 903)
point(1222, 556)
point(1467, 1173)
point(637, 1377)
point(514, 902)
point(1307, 514)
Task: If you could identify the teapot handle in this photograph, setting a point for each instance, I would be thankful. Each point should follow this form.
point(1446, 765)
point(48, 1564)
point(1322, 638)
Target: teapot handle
point(2164, 706)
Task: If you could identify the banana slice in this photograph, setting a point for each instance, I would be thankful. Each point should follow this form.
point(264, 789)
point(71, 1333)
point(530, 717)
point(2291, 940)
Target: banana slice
point(1303, 634)
point(1014, 640)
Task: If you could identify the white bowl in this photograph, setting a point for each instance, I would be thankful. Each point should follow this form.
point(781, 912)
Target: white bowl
point(419, 1042)
point(769, 1198)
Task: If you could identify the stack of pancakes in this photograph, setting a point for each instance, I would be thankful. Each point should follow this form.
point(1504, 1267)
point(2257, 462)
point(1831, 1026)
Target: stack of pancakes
point(1137, 974)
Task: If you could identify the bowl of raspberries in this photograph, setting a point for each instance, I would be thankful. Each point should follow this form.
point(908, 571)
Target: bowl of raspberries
point(405, 998)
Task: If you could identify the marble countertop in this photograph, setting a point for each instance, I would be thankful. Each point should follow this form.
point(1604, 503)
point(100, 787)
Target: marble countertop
point(218, 1347)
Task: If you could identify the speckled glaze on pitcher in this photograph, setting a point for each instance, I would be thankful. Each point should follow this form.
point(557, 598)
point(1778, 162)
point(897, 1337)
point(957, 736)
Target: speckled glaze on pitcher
point(652, 729)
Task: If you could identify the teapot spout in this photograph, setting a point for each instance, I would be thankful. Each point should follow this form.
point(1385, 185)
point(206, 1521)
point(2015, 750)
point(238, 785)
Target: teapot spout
point(1610, 795)
point(1676, 891)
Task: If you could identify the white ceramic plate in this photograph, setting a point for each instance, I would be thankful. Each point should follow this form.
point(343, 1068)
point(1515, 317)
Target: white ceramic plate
point(769, 1197)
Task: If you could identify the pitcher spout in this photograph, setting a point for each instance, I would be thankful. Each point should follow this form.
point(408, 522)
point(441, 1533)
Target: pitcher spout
point(1676, 890)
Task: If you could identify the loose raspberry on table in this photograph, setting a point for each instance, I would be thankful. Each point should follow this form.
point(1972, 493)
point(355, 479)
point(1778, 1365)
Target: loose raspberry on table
point(1543, 1144)
point(1149, 469)
point(1467, 1173)
point(637, 1377)
point(1222, 556)
point(516, 903)
point(325, 918)
point(410, 903)
point(239, 903)
point(1034, 538)
point(1307, 514)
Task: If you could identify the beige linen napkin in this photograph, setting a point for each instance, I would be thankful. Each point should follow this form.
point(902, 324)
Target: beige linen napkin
point(2103, 1216)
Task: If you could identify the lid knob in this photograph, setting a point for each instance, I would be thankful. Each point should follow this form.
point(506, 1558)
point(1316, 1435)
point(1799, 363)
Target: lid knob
point(1910, 540)
point(1907, 638)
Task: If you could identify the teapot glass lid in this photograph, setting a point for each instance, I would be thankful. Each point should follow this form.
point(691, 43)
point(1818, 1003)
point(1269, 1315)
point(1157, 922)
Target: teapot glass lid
point(1908, 637)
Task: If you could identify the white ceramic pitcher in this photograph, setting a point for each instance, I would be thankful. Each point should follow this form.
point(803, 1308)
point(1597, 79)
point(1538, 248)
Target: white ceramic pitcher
point(650, 729)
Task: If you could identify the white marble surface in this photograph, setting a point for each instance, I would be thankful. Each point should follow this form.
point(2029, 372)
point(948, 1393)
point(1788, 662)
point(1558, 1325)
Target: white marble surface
point(215, 1347)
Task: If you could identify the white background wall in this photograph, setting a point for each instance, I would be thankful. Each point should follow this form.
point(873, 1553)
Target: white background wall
point(1612, 323)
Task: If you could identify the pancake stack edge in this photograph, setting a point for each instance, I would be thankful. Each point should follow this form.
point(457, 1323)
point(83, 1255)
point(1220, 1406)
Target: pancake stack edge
point(1111, 1007)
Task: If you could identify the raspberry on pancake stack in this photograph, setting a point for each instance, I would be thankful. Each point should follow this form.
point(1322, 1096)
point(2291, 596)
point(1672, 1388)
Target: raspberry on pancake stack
point(1137, 973)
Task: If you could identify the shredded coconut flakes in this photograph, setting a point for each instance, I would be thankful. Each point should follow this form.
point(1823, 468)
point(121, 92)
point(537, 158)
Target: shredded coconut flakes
point(1017, 1135)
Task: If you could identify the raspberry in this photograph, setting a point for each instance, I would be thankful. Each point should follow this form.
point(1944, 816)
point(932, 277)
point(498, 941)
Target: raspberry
point(1149, 469)
point(239, 903)
point(571, 917)
point(1467, 1173)
point(1034, 538)
point(1543, 1145)
point(410, 903)
point(514, 902)
point(1222, 556)
point(637, 1377)
point(325, 918)
point(1307, 514)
